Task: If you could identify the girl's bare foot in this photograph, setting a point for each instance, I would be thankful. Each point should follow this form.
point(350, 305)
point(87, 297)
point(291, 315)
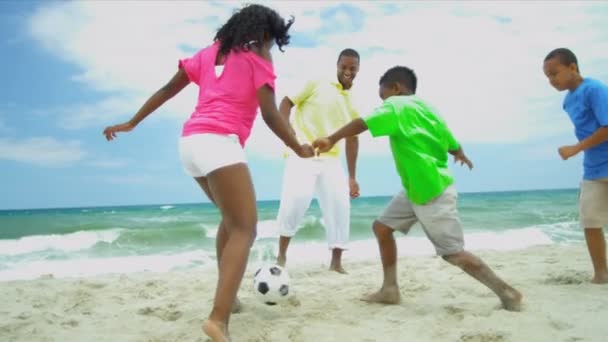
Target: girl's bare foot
point(511, 300)
point(386, 295)
point(216, 331)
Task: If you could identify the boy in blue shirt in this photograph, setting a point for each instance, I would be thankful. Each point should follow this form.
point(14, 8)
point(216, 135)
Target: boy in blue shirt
point(587, 106)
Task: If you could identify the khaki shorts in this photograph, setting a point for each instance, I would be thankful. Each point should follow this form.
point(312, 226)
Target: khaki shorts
point(438, 218)
point(593, 203)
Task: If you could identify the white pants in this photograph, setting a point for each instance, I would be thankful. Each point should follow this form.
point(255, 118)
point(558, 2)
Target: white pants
point(325, 178)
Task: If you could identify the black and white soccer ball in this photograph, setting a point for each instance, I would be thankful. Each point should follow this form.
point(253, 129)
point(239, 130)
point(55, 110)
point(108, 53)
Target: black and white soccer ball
point(271, 284)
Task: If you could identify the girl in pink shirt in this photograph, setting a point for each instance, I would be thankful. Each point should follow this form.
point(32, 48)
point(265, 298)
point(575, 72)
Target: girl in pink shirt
point(235, 76)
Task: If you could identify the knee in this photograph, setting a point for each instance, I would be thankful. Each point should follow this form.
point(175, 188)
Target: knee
point(246, 227)
point(382, 231)
point(463, 260)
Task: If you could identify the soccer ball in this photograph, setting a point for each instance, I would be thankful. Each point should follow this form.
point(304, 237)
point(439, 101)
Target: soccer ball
point(271, 284)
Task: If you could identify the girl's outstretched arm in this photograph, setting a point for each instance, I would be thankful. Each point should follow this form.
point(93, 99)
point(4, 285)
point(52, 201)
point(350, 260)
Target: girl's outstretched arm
point(175, 85)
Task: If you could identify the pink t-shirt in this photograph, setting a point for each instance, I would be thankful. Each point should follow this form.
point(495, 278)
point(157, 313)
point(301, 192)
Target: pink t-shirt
point(226, 104)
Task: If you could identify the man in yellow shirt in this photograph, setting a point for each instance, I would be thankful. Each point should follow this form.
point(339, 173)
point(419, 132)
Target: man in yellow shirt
point(322, 107)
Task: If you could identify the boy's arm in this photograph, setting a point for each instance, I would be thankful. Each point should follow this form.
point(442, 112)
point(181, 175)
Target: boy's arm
point(598, 99)
point(353, 128)
point(455, 149)
point(598, 137)
point(459, 156)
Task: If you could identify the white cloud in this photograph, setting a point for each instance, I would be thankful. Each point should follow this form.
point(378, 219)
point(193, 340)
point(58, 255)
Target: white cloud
point(479, 63)
point(42, 151)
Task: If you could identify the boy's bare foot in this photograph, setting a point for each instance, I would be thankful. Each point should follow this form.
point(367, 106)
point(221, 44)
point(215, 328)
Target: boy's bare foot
point(386, 295)
point(337, 268)
point(281, 260)
point(216, 331)
point(600, 278)
point(511, 300)
point(236, 306)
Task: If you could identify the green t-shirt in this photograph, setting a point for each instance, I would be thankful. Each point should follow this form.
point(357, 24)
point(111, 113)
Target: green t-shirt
point(420, 140)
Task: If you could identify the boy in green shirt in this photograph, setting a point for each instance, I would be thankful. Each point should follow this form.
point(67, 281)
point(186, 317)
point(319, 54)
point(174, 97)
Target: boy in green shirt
point(420, 142)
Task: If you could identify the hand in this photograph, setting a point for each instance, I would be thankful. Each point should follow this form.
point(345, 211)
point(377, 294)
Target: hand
point(354, 188)
point(568, 151)
point(305, 151)
point(322, 145)
point(462, 158)
point(110, 132)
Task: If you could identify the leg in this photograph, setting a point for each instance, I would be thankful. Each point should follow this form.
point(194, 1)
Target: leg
point(389, 292)
point(336, 260)
point(475, 267)
point(298, 184)
point(232, 189)
point(221, 238)
point(333, 193)
point(441, 223)
point(593, 213)
point(596, 244)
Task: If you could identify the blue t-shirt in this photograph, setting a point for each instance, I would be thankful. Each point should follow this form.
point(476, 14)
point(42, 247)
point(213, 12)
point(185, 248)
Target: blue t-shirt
point(587, 107)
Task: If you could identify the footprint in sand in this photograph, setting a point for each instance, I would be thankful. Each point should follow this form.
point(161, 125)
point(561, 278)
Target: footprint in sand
point(560, 325)
point(455, 312)
point(94, 285)
point(162, 313)
point(551, 261)
point(144, 295)
point(567, 278)
point(23, 316)
point(71, 323)
point(483, 337)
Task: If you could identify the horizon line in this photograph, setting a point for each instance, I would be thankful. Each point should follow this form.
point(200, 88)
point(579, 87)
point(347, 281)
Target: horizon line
point(258, 201)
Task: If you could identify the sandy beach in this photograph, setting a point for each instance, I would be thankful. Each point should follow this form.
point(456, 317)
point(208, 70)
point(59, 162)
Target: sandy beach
point(440, 303)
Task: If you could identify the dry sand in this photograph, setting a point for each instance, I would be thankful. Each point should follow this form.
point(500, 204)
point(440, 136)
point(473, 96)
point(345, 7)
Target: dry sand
point(440, 303)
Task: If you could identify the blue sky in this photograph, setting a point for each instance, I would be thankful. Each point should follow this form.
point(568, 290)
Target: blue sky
point(72, 68)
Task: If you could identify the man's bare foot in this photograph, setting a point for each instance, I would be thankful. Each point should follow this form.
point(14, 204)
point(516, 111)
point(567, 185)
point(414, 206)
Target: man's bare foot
point(386, 295)
point(281, 260)
point(600, 278)
point(216, 331)
point(511, 300)
point(337, 268)
point(236, 306)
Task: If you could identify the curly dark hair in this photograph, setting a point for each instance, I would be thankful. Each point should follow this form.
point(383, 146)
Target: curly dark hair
point(253, 23)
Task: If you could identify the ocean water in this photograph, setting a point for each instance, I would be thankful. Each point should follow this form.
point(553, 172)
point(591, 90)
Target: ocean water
point(158, 238)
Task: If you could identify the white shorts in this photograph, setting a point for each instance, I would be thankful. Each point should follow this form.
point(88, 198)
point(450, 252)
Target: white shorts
point(202, 153)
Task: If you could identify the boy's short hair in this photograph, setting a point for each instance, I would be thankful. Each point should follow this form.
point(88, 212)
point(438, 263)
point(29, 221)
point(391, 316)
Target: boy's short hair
point(349, 53)
point(402, 75)
point(564, 55)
